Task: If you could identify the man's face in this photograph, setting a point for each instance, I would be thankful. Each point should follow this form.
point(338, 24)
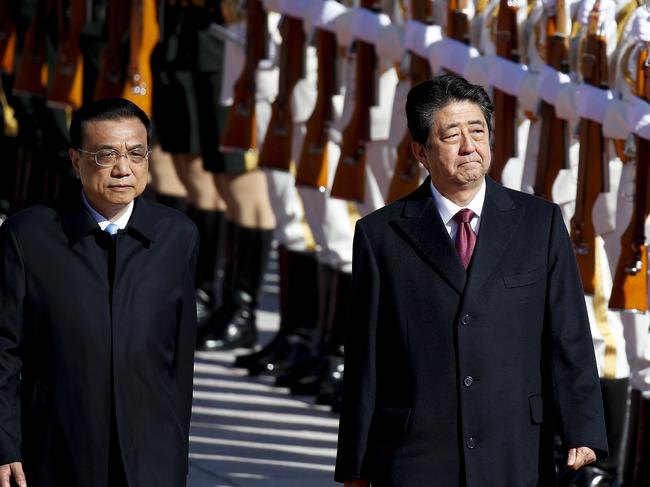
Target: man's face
point(459, 154)
point(111, 189)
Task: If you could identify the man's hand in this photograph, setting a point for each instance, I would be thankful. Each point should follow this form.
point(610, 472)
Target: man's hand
point(348, 483)
point(579, 457)
point(14, 470)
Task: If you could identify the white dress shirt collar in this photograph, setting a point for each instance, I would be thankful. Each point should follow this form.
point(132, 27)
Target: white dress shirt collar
point(447, 208)
point(102, 221)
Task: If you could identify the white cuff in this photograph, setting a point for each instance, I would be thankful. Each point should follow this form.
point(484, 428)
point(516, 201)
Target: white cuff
point(615, 120)
point(506, 75)
point(418, 37)
point(550, 81)
point(477, 70)
point(324, 14)
point(641, 25)
point(435, 56)
point(295, 8)
point(367, 25)
point(592, 102)
point(528, 92)
point(565, 102)
point(344, 25)
point(389, 43)
point(638, 117)
point(271, 5)
point(455, 55)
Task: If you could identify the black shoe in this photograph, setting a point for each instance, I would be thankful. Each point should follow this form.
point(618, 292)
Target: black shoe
point(310, 365)
point(291, 350)
point(204, 305)
point(240, 332)
point(332, 384)
point(263, 354)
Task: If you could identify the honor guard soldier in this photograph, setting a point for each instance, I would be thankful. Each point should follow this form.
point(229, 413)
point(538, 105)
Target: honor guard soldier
point(244, 98)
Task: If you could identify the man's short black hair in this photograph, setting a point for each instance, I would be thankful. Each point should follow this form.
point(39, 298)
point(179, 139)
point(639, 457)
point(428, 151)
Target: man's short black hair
point(106, 109)
point(426, 98)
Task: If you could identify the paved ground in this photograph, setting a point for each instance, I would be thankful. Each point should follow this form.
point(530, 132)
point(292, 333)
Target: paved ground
point(247, 433)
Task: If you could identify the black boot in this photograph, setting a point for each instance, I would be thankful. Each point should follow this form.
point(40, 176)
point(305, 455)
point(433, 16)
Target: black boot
point(233, 326)
point(309, 381)
point(331, 386)
point(209, 272)
point(177, 202)
point(207, 320)
point(643, 446)
point(605, 473)
point(261, 355)
point(298, 338)
point(637, 465)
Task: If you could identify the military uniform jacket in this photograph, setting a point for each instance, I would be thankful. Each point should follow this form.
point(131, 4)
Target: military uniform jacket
point(86, 323)
point(451, 374)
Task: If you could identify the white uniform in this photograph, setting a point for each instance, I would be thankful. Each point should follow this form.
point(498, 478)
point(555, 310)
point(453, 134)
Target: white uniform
point(367, 26)
point(617, 126)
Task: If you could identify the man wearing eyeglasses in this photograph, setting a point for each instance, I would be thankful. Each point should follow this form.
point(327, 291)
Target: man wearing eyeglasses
point(97, 322)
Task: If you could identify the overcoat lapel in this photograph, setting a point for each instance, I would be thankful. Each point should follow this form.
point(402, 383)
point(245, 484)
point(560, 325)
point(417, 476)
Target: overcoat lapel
point(423, 228)
point(499, 221)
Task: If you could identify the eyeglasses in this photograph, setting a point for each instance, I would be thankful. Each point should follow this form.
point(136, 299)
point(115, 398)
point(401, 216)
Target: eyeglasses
point(109, 157)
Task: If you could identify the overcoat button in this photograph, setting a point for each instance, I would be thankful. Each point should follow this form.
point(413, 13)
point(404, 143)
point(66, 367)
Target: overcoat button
point(468, 381)
point(465, 319)
point(471, 443)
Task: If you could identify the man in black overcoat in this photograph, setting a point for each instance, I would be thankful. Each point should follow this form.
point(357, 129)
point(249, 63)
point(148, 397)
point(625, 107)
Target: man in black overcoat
point(467, 343)
point(97, 322)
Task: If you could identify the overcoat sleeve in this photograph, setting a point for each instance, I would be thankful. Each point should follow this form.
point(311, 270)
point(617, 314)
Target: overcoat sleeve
point(359, 383)
point(12, 294)
point(186, 335)
point(576, 387)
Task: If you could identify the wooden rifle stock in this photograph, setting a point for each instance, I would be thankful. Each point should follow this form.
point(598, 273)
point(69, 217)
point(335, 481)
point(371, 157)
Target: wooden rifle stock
point(553, 156)
point(32, 74)
point(7, 39)
point(406, 176)
point(240, 133)
point(505, 105)
point(313, 168)
point(593, 167)
point(276, 150)
point(66, 89)
point(630, 287)
point(350, 178)
point(457, 21)
point(144, 36)
point(110, 80)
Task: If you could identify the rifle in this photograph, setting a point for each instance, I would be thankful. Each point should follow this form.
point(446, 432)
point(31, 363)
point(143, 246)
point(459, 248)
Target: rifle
point(67, 85)
point(240, 134)
point(110, 80)
point(144, 36)
point(593, 168)
point(406, 176)
point(31, 77)
point(553, 156)
point(505, 105)
point(350, 178)
point(457, 21)
point(313, 167)
point(7, 39)
point(630, 287)
point(276, 150)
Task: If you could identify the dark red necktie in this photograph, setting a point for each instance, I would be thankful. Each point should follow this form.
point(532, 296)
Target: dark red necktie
point(465, 236)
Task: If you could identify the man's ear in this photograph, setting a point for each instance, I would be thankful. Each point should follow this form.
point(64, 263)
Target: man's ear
point(74, 158)
point(419, 152)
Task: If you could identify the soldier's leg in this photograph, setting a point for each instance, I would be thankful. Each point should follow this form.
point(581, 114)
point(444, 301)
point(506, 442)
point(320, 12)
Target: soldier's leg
point(170, 191)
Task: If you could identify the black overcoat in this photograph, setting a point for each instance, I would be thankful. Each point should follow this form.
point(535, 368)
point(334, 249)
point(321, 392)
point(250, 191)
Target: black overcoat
point(82, 319)
point(451, 373)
